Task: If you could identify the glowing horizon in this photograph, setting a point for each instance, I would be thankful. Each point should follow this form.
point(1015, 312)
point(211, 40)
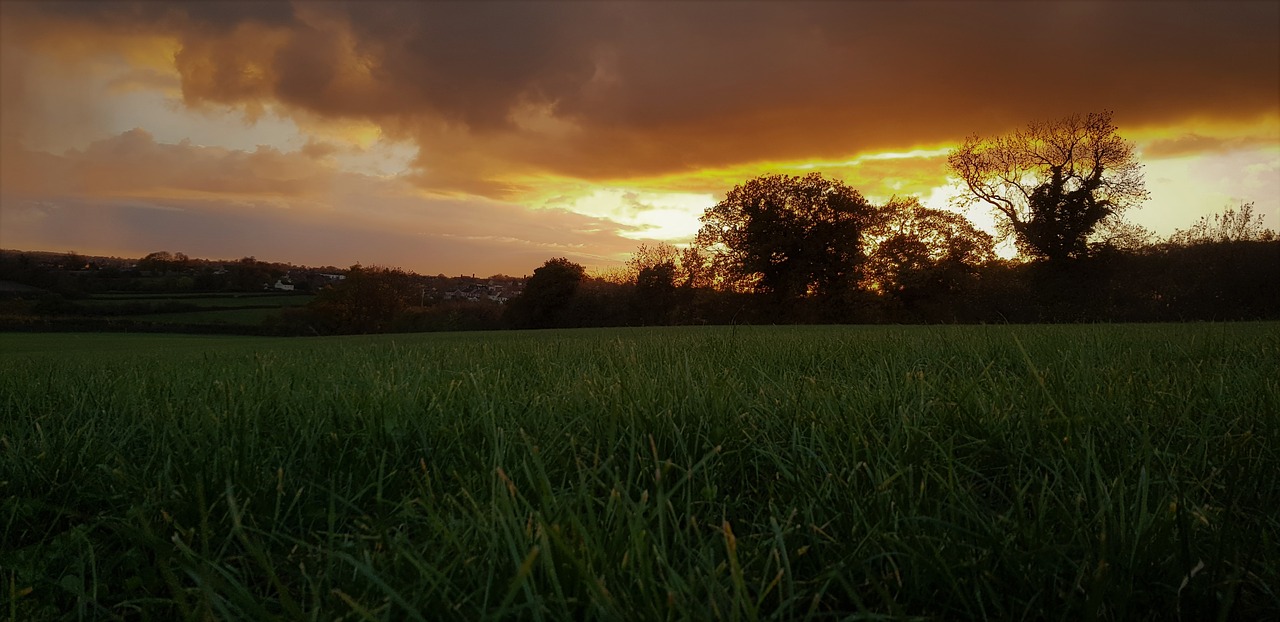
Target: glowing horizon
point(311, 134)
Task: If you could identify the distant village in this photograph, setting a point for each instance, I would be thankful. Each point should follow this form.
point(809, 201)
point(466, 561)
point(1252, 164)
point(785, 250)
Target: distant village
point(165, 272)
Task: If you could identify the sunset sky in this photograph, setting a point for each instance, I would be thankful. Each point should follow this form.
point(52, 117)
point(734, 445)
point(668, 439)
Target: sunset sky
point(487, 137)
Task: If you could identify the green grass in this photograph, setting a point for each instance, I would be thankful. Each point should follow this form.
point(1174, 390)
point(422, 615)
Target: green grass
point(202, 301)
point(242, 317)
point(203, 298)
point(1007, 472)
point(240, 309)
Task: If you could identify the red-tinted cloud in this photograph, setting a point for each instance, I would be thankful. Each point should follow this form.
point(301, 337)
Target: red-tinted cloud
point(494, 91)
point(131, 195)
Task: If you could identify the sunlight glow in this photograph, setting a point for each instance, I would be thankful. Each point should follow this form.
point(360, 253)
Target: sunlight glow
point(644, 215)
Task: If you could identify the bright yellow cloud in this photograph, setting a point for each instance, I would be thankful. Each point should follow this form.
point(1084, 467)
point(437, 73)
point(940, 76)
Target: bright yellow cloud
point(1205, 135)
point(668, 207)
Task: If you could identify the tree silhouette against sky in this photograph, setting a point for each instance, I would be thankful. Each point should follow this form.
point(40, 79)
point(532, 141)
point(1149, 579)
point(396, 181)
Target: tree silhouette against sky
point(1053, 183)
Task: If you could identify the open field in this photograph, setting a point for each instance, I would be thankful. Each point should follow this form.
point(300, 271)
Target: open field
point(967, 472)
point(200, 300)
point(194, 312)
point(238, 317)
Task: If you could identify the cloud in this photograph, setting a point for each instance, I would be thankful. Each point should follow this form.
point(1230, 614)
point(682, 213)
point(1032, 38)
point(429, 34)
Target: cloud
point(133, 164)
point(132, 228)
point(130, 195)
point(1199, 144)
point(481, 128)
point(495, 92)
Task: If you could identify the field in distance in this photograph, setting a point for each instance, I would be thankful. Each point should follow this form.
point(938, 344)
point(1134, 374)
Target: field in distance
point(963, 472)
point(180, 311)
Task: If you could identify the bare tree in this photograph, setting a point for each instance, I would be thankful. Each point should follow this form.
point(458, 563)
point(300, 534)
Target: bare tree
point(650, 256)
point(1053, 183)
point(1230, 226)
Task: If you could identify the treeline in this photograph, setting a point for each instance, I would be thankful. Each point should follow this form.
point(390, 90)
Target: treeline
point(1165, 282)
point(789, 249)
point(74, 276)
point(785, 249)
point(1215, 270)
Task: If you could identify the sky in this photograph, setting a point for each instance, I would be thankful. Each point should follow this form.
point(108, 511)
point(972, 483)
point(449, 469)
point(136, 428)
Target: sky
point(487, 137)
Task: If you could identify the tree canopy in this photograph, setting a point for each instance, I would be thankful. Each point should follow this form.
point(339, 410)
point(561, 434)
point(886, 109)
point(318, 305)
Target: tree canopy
point(789, 236)
point(367, 301)
point(916, 252)
point(1053, 183)
point(547, 295)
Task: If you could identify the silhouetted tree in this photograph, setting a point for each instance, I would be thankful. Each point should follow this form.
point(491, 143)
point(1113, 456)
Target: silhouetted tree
point(648, 256)
point(654, 295)
point(1230, 226)
point(917, 252)
point(1053, 183)
point(73, 261)
point(656, 274)
point(790, 237)
point(164, 261)
point(546, 295)
point(1121, 236)
point(248, 274)
point(696, 265)
point(368, 300)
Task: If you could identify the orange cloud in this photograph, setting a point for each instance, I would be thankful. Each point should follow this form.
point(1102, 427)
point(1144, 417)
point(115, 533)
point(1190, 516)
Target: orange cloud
point(1191, 144)
point(130, 195)
point(615, 109)
point(133, 164)
point(495, 92)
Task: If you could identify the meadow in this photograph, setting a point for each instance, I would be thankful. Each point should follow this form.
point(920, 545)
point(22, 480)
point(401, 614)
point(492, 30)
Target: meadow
point(240, 309)
point(238, 312)
point(1070, 472)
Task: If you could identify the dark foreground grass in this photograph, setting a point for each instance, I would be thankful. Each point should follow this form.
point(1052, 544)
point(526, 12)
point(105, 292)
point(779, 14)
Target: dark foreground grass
point(1063, 473)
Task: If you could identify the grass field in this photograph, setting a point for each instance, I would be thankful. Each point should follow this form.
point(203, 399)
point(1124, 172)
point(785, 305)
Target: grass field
point(206, 298)
point(235, 309)
point(239, 317)
point(757, 473)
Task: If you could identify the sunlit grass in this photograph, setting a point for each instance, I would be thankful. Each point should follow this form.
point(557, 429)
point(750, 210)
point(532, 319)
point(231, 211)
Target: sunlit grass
point(1049, 472)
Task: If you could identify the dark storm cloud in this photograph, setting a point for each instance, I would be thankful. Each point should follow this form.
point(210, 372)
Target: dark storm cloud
point(617, 90)
point(472, 62)
point(216, 16)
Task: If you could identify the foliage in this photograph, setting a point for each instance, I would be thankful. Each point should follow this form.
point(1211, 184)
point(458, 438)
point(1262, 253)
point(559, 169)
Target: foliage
point(788, 236)
point(1229, 226)
point(368, 300)
point(547, 295)
point(655, 294)
point(977, 472)
point(657, 274)
point(917, 252)
point(249, 274)
point(164, 261)
point(450, 315)
point(1119, 235)
point(648, 256)
point(1054, 182)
